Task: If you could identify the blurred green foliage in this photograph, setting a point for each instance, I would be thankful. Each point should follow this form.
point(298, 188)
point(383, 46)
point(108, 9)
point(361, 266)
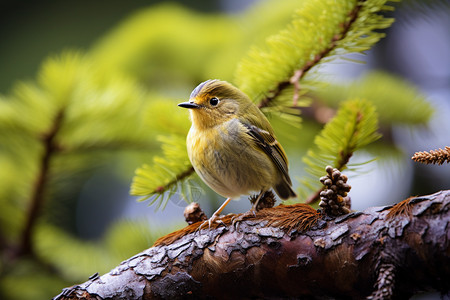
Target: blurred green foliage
point(381, 89)
point(114, 107)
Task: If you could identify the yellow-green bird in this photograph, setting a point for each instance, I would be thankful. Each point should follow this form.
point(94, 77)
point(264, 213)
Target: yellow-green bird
point(232, 145)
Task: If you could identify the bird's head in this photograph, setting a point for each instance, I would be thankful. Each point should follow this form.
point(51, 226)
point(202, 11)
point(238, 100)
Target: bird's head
point(214, 102)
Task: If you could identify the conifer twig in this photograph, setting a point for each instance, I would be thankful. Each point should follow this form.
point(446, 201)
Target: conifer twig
point(37, 196)
point(433, 157)
point(354, 126)
point(180, 177)
point(295, 80)
point(344, 158)
point(300, 73)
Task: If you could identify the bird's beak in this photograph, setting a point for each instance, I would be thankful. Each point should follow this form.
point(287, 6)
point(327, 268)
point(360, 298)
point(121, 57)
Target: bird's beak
point(188, 105)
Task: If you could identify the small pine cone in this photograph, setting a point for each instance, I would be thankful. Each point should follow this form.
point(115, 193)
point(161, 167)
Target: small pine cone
point(344, 178)
point(335, 175)
point(334, 197)
point(267, 200)
point(193, 213)
point(329, 169)
point(345, 210)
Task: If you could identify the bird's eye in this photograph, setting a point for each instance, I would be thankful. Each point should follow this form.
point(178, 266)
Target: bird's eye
point(214, 101)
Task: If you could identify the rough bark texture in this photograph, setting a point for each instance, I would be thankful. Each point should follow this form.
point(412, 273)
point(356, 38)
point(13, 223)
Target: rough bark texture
point(387, 252)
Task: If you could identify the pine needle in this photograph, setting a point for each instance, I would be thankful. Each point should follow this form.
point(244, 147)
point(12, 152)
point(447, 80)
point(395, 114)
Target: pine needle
point(159, 181)
point(319, 30)
point(354, 126)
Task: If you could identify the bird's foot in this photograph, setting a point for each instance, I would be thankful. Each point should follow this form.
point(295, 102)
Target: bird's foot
point(239, 218)
point(215, 215)
point(214, 219)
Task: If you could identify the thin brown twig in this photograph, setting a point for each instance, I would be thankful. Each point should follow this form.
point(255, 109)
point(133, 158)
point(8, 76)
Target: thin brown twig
point(161, 189)
point(37, 196)
point(295, 80)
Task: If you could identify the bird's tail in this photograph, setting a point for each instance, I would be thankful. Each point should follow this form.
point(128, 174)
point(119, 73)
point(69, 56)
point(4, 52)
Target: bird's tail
point(284, 190)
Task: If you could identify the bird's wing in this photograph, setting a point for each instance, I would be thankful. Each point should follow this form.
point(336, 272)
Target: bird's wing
point(267, 142)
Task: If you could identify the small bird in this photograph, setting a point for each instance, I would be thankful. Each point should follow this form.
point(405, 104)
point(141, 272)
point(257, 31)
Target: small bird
point(232, 145)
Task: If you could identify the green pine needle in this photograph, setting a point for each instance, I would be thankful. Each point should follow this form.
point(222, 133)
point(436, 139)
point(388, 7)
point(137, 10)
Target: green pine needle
point(320, 29)
point(354, 126)
point(162, 179)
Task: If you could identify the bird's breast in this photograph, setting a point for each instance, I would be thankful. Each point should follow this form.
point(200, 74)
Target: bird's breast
point(227, 160)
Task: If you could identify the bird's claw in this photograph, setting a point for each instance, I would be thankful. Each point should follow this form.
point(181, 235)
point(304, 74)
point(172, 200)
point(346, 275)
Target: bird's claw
point(239, 218)
point(210, 221)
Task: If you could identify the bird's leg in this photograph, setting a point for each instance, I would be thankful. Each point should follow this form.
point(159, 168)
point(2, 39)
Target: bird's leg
point(215, 214)
point(252, 211)
point(255, 205)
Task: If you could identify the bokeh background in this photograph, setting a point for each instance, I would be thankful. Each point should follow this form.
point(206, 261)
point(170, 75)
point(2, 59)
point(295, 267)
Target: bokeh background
point(416, 48)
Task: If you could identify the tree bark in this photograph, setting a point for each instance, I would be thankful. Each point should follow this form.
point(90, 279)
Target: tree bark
point(389, 252)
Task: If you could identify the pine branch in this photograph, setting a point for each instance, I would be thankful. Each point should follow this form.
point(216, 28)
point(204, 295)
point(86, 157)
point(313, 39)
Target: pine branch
point(179, 177)
point(381, 253)
point(37, 196)
point(345, 27)
point(433, 157)
point(160, 180)
point(69, 108)
point(354, 126)
point(301, 72)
